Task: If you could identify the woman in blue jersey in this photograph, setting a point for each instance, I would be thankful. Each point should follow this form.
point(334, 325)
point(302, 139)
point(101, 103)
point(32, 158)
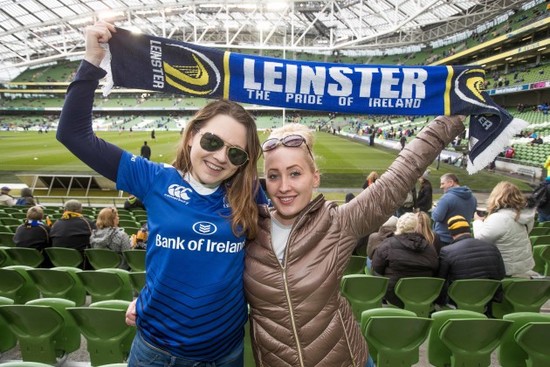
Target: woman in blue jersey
point(192, 309)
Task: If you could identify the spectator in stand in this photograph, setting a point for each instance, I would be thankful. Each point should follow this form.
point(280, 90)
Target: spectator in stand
point(139, 240)
point(510, 152)
point(371, 178)
point(424, 199)
point(467, 258)
point(407, 254)
point(109, 235)
point(5, 198)
point(424, 227)
point(34, 233)
point(26, 199)
point(133, 203)
point(408, 205)
point(385, 231)
point(507, 225)
point(403, 141)
point(456, 200)
point(72, 229)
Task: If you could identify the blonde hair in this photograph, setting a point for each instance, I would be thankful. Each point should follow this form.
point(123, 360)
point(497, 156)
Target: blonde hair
point(506, 195)
point(106, 218)
point(243, 186)
point(372, 177)
point(406, 223)
point(35, 213)
point(303, 131)
point(424, 227)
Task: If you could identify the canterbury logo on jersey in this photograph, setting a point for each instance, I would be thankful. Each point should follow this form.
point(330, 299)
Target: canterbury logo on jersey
point(178, 192)
point(194, 73)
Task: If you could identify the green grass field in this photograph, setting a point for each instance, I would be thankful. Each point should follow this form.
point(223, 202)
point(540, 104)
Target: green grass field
point(343, 163)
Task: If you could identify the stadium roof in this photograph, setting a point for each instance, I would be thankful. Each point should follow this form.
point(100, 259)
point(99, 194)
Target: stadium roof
point(34, 32)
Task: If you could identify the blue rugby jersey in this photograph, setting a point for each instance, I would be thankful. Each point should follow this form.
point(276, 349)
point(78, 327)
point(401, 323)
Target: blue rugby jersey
point(193, 303)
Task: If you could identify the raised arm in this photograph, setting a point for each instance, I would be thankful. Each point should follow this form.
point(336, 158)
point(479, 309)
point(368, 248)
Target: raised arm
point(75, 123)
point(375, 204)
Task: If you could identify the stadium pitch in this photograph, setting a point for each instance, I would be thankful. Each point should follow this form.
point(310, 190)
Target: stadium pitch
point(343, 163)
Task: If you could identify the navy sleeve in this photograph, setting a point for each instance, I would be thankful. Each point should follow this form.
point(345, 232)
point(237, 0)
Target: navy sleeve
point(75, 124)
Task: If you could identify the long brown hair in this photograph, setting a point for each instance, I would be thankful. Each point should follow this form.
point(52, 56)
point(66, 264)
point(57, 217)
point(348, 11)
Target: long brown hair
point(506, 195)
point(243, 186)
point(424, 227)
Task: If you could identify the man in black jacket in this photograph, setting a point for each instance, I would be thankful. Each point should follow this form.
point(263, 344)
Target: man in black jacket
point(72, 229)
point(467, 257)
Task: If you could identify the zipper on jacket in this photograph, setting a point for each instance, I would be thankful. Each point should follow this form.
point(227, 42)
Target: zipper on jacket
point(346, 336)
point(298, 348)
point(285, 281)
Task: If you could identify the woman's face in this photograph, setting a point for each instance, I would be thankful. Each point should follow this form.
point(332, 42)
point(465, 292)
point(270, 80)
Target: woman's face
point(212, 168)
point(290, 181)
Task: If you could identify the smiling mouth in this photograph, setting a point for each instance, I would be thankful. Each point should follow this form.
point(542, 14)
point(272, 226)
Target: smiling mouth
point(213, 166)
point(286, 199)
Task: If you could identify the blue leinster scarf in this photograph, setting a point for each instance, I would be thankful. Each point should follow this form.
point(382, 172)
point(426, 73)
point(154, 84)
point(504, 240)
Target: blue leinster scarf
point(164, 65)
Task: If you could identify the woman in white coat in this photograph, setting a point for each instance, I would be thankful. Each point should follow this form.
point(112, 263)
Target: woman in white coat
point(507, 225)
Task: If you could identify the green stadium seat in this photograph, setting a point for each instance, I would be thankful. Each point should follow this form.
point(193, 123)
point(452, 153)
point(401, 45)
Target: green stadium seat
point(439, 354)
point(5, 260)
point(510, 354)
point(43, 332)
point(59, 283)
point(64, 256)
point(135, 259)
point(522, 295)
point(108, 337)
point(540, 240)
point(364, 292)
point(25, 256)
point(419, 293)
point(356, 265)
point(541, 255)
point(128, 223)
point(16, 284)
point(102, 258)
point(473, 294)
point(137, 279)
point(396, 348)
point(382, 311)
point(106, 284)
point(539, 231)
point(533, 339)
point(6, 238)
point(471, 341)
point(8, 221)
point(7, 337)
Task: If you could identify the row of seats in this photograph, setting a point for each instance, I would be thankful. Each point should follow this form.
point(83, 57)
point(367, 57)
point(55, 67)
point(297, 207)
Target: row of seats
point(419, 294)
point(22, 284)
point(456, 338)
point(48, 329)
point(97, 258)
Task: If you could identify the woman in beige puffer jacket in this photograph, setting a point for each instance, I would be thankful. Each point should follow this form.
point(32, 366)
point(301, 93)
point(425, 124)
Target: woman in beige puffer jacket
point(294, 266)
